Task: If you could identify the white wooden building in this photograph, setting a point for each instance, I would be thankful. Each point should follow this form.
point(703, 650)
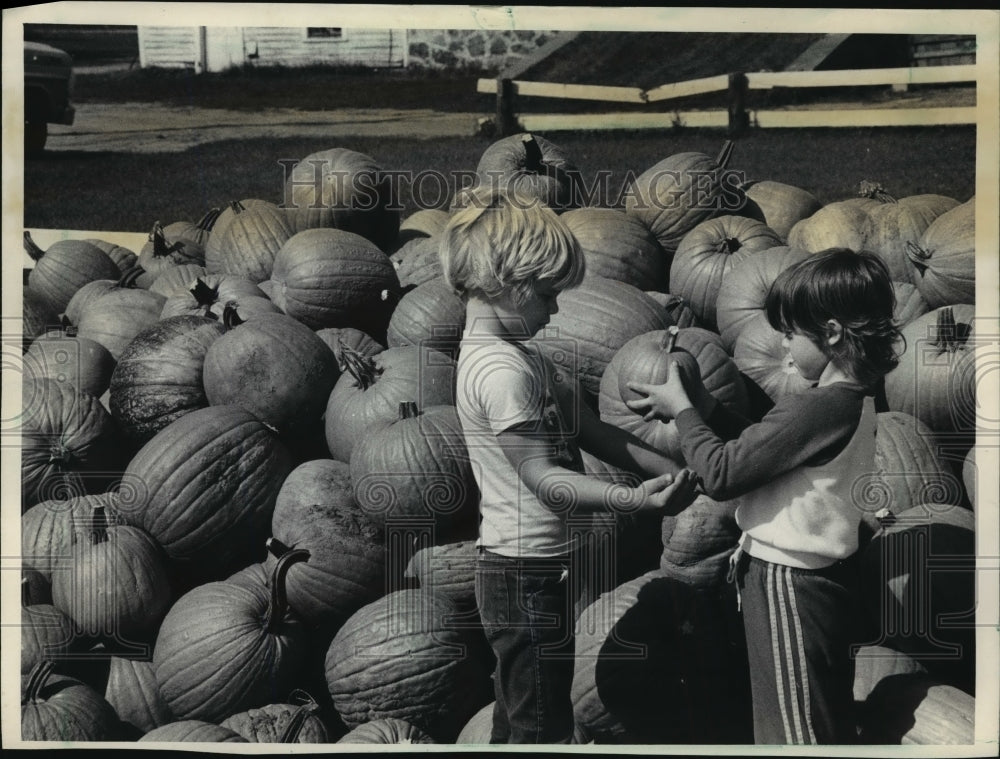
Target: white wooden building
point(216, 48)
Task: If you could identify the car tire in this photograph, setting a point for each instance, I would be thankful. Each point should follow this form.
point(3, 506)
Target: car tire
point(35, 135)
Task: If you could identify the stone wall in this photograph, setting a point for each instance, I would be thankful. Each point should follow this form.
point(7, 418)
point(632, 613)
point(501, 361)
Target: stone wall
point(475, 49)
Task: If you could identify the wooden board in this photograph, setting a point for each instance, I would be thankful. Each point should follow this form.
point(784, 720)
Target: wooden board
point(860, 117)
point(861, 77)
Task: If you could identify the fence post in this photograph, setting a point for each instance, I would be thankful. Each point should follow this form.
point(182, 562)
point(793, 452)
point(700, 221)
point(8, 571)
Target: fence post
point(739, 119)
point(505, 108)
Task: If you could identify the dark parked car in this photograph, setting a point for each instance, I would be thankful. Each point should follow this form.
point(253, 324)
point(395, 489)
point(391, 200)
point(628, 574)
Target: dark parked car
point(48, 87)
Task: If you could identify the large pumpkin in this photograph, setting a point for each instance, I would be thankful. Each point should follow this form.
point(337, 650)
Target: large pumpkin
point(369, 392)
point(387, 731)
point(273, 366)
point(50, 528)
point(416, 470)
point(704, 257)
point(117, 584)
point(743, 292)
point(450, 570)
point(159, 375)
point(431, 314)
point(595, 319)
point(618, 246)
point(160, 254)
point(646, 358)
point(907, 470)
point(279, 723)
point(65, 357)
point(418, 261)
point(209, 295)
point(760, 355)
point(783, 205)
point(65, 267)
point(895, 225)
point(910, 303)
point(698, 542)
point(247, 244)
point(46, 633)
point(908, 601)
point(37, 316)
point(177, 280)
point(333, 278)
point(115, 318)
point(842, 224)
point(679, 192)
point(343, 189)
point(59, 708)
point(315, 510)
point(935, 380)
point(134, 694)
point(89, 293)
point(204, 487)
point(224, 648)
point(658, 661)
point(401, 657)
point(67, 442)
point(917, 709)
point(192, 731)
point(124, 258)
point(531, 168)
point(945, 257)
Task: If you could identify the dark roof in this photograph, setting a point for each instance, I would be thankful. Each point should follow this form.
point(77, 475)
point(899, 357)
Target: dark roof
point(649, 59)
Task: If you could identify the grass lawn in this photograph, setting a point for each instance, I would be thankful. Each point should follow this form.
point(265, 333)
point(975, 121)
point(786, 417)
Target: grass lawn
point(128, 192)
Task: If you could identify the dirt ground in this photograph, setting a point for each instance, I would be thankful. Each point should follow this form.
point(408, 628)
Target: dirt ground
point(152, 128)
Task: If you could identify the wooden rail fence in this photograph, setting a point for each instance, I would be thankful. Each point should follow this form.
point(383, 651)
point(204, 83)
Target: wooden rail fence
point(738, 116)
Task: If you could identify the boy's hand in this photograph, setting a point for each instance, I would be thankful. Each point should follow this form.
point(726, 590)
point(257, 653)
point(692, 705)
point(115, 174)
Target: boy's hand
point(669, 493)
point(664, 401)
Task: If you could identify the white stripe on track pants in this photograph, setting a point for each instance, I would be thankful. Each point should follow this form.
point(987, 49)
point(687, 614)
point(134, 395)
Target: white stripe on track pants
point(799, 628)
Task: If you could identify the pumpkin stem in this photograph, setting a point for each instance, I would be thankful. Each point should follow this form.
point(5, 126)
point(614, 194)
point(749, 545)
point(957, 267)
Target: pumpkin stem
point(875, 191)
point(98, 525)
point(36, 681)
point(361, 368)
point(204, 294)
point(533, 154)
point(230, 318)
point(237, 206)
point(208, 220)
point(291, 732)
point(918, 256)
point(670, 338)
point(275, 547)
point(725, 154)
point(279, 603)
point(159, 240)
point(33, 250)
point(130, 277)
point(729, 245)
point(58, 454)
point(408, 410)
point(950, 335)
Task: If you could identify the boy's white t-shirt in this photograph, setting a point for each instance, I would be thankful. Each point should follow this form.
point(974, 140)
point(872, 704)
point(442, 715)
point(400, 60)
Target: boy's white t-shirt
point(501, 384)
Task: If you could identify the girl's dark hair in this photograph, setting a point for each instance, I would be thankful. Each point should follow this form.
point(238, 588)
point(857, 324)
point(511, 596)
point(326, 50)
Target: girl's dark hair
point(855, 289)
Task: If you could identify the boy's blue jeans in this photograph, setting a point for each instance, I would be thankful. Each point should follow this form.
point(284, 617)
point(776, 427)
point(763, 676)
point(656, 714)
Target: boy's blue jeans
point(526, 608)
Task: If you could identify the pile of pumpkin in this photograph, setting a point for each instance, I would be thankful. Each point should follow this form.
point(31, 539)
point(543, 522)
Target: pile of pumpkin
point(247, 514)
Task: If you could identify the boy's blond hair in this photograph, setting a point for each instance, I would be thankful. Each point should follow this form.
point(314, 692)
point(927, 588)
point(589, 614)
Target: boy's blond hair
point(501, 243)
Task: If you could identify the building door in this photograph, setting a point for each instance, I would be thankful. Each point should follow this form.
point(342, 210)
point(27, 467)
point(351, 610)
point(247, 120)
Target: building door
point(223, 47)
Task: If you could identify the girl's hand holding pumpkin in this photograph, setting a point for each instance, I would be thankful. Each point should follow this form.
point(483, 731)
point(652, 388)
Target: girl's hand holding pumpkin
point(664, 401)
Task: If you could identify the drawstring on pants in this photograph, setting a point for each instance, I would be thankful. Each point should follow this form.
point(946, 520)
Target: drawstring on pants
point(731, 575)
